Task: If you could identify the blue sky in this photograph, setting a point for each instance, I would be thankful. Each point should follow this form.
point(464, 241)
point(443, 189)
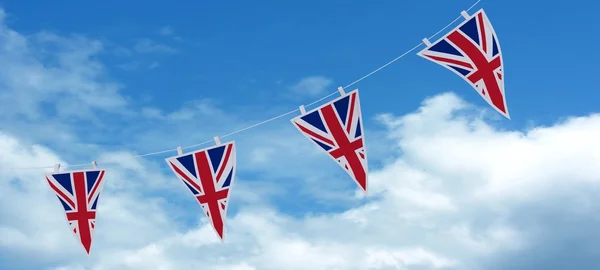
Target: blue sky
point(244, 49)
point(107, 80)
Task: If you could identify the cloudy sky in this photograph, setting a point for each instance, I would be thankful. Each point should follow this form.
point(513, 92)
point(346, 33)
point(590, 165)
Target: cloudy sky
point(453, 185)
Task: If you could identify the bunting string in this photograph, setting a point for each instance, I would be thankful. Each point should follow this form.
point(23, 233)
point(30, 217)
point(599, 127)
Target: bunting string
point(262, 122)
point(471, 50)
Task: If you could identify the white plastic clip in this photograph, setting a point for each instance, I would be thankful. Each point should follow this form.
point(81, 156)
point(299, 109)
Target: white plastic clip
point(341, 90)
point(302, 109)
point(179, 150)
point(426, 42)
point(217, 140)
point(465, 15)
point(94, 165)
point(56, 168)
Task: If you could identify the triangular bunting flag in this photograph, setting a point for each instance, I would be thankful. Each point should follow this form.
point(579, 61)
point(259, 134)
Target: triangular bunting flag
point(472, 51)
point(208, 174)
point(78, 192)
point(337, 129)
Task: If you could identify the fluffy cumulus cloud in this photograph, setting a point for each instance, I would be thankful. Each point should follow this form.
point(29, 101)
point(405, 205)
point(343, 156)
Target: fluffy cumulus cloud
point(55, 84)
point(149, 46)
point(455, 191)
point(29, 68)
point(312, 86)
point(461, 195)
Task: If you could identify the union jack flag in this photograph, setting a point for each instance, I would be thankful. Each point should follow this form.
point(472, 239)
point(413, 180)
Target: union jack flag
point(208, 174)
point(78, 192)
point(336, 127)
point(472, 51)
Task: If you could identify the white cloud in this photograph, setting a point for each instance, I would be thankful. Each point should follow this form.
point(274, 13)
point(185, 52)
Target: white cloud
point(148, 46)
point(54, 89)
point(135, 66)
point(121, 51)
point(154, 65)
point(461, 194)
point(166, 31)
point(311, 86)
point(46, 70)
point(450, 201)
point(196, 109)
point(129, 66)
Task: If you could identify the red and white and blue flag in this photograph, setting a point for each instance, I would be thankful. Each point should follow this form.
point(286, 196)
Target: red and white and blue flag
point(337, 129)
point(208, 174)
point(78, 193)
point(472, 51)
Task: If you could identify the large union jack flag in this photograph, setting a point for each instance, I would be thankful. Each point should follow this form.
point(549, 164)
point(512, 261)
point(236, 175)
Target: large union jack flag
point(208, 174)
point(336, 127)
point(472, 51)
point(78, 192)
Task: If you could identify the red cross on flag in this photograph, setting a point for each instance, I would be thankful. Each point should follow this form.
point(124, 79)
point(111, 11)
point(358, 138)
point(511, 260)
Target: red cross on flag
point(208, 174)
point(336, 128)
point(472, 51)
point(78, 193)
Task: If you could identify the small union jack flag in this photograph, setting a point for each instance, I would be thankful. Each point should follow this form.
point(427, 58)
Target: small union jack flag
point(472, 51)
point(336, 127)
point(208, 174)
point(78, 192)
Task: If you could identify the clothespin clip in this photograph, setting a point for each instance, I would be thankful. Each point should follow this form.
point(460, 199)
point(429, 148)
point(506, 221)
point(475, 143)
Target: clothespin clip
point(302, 109)
point(94, 165)
point(179, 150)
point(56, 168)
point(465, 15)
point(217, 140)
point(341, 90)
point(426, 42)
